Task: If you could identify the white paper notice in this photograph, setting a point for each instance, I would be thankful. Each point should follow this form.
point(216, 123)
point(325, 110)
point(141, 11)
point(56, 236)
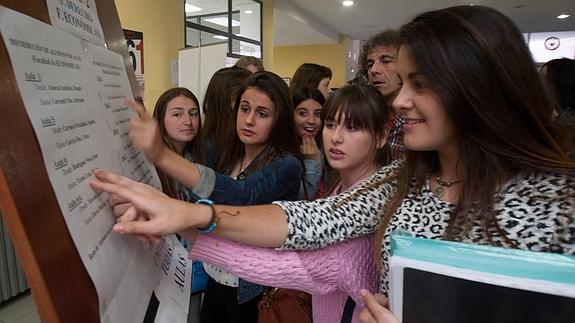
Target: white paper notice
point(113, 88)
point(173, 291)
point(79, 17)
point(73, 92)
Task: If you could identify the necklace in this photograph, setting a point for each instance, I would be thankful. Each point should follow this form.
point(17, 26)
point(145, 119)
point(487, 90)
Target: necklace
point(442, 185)
point(242, 174)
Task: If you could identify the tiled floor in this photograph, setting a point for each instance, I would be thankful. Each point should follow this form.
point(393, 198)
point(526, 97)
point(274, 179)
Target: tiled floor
point(20, 309)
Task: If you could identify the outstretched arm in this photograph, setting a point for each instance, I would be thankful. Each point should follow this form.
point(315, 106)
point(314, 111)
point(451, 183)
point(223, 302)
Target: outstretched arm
point(153, 214)
point(346, 267)
point(145, 134)
point(291, 225)
point(274, 181)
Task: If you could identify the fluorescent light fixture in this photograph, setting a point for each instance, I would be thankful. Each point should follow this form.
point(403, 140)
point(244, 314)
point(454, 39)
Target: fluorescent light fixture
point(220, 37)
point(563, 16)
point(248, 12)
point(189, 8)
point(222, 21)
point(347, 3)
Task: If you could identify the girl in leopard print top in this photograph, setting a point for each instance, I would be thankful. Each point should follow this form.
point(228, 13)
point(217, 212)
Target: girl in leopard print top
point(482, 165)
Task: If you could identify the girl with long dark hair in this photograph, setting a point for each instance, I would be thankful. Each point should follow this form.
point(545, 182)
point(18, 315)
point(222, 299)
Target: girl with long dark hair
point(482, 165)
point(265, 142)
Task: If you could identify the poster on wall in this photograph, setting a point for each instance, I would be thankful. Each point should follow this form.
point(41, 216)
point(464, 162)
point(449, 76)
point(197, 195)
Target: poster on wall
point(135, 44)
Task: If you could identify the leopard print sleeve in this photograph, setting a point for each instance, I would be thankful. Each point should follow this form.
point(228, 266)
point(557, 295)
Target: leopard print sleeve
point(538, 212)
point(323, 222)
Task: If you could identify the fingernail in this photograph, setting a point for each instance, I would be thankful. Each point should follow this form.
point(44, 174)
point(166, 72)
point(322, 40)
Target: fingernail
point(118, 228)
point(363, 292)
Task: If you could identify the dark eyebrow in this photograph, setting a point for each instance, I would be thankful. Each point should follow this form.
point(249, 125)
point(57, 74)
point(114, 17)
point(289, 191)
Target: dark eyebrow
point(261, 107)
point(257, 107)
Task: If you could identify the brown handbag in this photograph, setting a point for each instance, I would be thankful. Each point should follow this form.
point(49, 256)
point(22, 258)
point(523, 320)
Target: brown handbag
point(281, 305)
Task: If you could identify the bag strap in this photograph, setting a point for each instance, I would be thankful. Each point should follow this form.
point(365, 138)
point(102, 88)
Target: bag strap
point(348, 310)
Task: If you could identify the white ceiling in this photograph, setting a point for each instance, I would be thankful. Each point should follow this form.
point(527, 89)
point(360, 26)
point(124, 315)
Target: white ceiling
point(304, 22)
point(289, 31)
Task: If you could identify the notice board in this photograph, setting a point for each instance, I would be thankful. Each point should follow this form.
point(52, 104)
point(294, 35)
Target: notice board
point(60, 284)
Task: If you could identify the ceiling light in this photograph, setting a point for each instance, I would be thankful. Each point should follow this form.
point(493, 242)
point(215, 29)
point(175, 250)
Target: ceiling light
point(563, 16)
point(347, 3)
point(222, 21)
point(220, 37)
point(248, 12)
point(189, 8)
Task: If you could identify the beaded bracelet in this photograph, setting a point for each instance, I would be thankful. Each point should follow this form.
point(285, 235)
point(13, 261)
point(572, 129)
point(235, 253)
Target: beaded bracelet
point(213, 224)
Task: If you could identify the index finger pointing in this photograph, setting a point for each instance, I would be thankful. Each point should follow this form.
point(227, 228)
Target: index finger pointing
point(108, 177)
point(138, 108)
point(123, 193)
point(116, 185)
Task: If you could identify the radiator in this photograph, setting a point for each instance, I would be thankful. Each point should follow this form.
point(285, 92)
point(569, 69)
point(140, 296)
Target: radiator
point(12, 277)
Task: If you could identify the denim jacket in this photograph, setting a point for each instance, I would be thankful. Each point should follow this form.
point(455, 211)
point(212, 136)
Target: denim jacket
point(279, 180)
point(314, 174)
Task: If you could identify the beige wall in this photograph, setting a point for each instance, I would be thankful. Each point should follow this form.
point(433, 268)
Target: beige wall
point(268, 33)
point(162, 23)
point(288, 59)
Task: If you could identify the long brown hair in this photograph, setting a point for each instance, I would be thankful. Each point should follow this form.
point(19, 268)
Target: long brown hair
point(478, 65)
point(309, 75)
point(283, 137)
point(194, 147)
point(217, 108)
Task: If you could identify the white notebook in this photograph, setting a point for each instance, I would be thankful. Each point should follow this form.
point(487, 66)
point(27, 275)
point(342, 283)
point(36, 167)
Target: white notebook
point(441, 281)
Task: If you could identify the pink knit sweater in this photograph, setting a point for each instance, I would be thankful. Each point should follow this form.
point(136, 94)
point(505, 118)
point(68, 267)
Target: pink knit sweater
point(330, 275)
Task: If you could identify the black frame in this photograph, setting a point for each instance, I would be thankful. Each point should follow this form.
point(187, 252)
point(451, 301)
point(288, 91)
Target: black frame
point(229, 34)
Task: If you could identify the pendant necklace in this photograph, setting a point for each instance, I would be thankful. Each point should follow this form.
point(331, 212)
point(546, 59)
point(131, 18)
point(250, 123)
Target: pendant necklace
point(442, 185)
point(242, 174)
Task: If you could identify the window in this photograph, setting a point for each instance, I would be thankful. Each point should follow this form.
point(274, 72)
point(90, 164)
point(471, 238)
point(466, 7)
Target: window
point(247, 13)
point(236, 22)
